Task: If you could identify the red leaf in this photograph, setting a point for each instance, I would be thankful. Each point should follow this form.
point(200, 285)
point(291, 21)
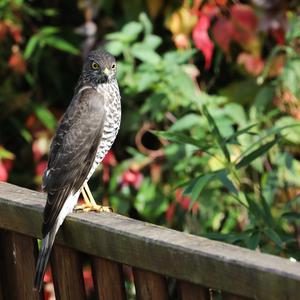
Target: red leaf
point(202, 40)
point(244, 16)
point(244, 22)
point(41, 167)
point(88, 280)
point(223, 33)
point(109, 159)
point(15, 31)
point(279, 35)
point(134, 178)
point(210, 10)
point(3, 172)
point(253, 64)
point(3, 30)
point(17, 63)
point(220, 2)
point(170, 213)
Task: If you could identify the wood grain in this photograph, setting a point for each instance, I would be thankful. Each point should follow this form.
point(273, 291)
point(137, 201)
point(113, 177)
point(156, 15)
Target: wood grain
point(18, 253)
point(149, 285)
point(190, 291)
point(108, 279)
point(179, 255)
point(67, 274)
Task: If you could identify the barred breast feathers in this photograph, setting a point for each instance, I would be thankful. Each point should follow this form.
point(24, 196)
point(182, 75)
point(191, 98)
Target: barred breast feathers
point(111, 124)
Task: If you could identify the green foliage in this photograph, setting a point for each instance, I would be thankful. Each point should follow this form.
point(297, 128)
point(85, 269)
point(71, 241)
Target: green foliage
point(213, 155)
point(212, 152)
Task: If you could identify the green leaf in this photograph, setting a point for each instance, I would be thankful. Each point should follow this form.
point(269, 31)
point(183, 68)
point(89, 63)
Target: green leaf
point(145, 54)
point(146, 79)
point(264, 97)
point(196, 186)
point(267, 211)
point(179, 56)
point(291, 216)
point(26, 135)
point(114, 47)
point(222, 176)
point(290, 128)
point(245, 161)
point(146, 22)
point(221, 141)
point(290, 77)
point(181, 139)
point(186, 122)
point(274, 236)
point(132, 30)
point(61, 44)
point(48, 30)
point(152, 41)
point(254, 240)
point(232, 138)
point(50, 12)
point(5, 154)
point(30, 46)
point(45, 116)
point(294, 29)
point(117, 36)
point(254, 209)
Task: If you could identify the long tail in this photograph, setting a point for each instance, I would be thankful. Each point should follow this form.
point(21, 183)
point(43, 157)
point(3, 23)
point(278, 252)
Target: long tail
point(43, 259)
point(49, 238)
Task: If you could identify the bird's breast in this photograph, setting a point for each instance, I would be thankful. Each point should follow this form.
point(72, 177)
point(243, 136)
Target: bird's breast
point(111, 124)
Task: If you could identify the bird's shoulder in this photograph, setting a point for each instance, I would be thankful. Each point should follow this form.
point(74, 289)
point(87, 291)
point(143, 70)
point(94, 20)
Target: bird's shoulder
point(82, 122)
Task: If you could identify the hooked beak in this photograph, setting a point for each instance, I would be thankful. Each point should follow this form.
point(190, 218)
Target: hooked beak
point(106, 72)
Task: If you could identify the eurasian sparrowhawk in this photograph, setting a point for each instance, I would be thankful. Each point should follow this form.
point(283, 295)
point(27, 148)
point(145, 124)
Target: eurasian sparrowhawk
point(85, 134)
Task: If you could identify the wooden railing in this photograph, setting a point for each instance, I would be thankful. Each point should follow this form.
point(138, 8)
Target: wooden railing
point(161, 259)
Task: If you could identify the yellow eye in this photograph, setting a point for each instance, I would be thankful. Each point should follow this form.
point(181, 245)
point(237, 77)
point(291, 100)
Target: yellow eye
point(95, 66)
point(113, 66)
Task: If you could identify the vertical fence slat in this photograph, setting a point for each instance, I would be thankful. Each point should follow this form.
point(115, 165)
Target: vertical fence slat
point(108, 279)
point(18, 258)
point(67, 274)
point(149, 285)
point(229, 296)
point(190, 291)
point(1, 285)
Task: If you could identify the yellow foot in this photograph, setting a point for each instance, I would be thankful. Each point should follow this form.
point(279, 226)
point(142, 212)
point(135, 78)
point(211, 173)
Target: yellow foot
point(97, 208)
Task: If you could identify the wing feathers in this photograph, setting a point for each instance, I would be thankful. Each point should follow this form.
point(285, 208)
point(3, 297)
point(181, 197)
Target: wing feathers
point(72, 152)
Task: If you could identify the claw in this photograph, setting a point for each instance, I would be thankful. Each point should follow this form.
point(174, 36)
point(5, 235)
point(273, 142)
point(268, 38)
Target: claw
point(89, 202)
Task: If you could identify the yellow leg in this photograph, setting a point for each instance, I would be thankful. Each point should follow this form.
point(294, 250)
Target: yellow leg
point(90, 203)
point(89, 193)
point(87, 202)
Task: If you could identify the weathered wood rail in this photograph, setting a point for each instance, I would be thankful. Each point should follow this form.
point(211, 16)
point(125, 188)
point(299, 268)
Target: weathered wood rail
point(159, 257)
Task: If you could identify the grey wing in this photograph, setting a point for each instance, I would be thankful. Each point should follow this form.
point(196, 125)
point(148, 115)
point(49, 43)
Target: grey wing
point(72, 152)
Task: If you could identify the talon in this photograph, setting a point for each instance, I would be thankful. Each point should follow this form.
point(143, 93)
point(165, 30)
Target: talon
point(81, 207)
point(98, 208)
point(89, 202)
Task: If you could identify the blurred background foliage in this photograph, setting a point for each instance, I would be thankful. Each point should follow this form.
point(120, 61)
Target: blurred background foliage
point(210, 135)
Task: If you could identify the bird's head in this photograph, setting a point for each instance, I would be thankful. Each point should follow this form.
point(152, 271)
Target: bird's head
point(99, 67)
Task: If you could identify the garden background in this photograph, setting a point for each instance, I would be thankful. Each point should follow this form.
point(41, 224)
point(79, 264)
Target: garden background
point(210, 135)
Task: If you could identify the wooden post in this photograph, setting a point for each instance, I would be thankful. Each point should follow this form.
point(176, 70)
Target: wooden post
point(18, 253)
point(172, 254)
point(67, 274)
point(190, 291)
point(149, 285)
point(108, 279)
point(1, 291)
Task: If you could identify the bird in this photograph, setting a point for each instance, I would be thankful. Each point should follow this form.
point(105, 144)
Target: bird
point(84, 135)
